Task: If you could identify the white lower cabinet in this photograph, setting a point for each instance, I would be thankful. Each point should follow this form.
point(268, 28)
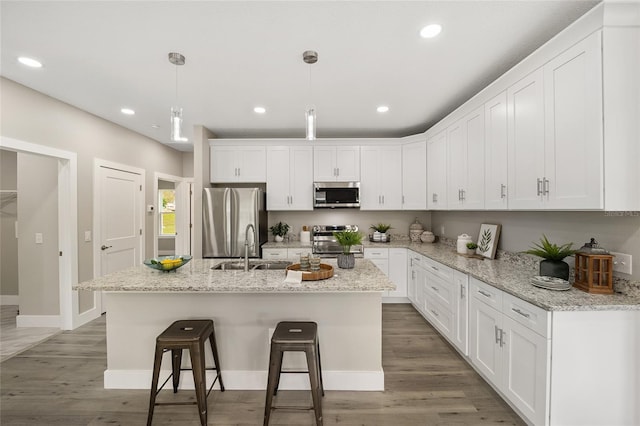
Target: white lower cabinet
point(461, 311)
point(506, 346)
point(393, 262)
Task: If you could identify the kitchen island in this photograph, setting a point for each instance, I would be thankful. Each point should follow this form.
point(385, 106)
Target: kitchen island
point(246, 306)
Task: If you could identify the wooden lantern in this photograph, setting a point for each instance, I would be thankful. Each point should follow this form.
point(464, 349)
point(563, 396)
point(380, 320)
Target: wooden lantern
point(594, 273)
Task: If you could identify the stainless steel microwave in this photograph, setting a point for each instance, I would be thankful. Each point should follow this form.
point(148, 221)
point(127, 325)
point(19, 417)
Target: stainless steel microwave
point(336, 195)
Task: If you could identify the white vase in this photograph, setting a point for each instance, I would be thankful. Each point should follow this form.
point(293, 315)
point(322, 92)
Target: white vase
point(279, 238)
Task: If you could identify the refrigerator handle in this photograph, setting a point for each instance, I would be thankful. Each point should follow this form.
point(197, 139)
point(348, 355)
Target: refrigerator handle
point(227, 222)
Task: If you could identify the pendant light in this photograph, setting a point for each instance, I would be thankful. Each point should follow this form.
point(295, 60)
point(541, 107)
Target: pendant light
point(176, 112)
point(310, 57)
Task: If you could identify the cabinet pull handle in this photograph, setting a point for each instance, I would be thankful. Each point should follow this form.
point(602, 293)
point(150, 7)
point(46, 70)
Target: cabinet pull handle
point(518, 311)
point(539, 186)
point(497, 333)
point(545, 186)
point(503, 188)
point(484, 293)
point(383, 199)
point(502, 342)
point(461, 292)
point(464, 195)
point(435, 289)
point(337, 171)
point(434, 268)
point(434, 313)
point(434, 197)
point(403, 199)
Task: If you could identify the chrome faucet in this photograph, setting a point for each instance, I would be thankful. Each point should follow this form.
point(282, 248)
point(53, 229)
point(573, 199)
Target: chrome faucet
point(246, 245)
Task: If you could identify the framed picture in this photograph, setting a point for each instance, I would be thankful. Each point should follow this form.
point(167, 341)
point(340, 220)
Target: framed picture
point(488, 240)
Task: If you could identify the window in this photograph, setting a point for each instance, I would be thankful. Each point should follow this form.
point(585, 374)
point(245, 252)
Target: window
point(167, 212)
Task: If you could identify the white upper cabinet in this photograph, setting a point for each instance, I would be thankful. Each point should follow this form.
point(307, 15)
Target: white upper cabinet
point(381, 177)
point(525, 101)
point(573, 172)
point(289, 178)
point(466, 162)
point(437, 171)
point(336, 163)
point(238, 163)
point(555, 132)
point(414, 176)
point(495, 153)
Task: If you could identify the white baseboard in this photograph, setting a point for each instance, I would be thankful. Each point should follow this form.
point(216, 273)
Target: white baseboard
point(9, 300)
point(251, 380)
point(38, 321)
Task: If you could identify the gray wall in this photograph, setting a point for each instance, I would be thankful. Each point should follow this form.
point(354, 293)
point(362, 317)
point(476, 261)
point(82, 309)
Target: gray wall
point(38, 213)
point(8, 217)
point(30, 116)
point(399, 220)
point(521, 229)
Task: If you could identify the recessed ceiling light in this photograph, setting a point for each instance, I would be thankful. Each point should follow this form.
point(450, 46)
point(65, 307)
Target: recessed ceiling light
point(30, 62)
point(382, 108)
point(430, 31)
point(259, 110)
point(127, 111)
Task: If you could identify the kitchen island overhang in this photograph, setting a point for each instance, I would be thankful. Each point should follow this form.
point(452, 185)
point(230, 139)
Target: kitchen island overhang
point(246, 306)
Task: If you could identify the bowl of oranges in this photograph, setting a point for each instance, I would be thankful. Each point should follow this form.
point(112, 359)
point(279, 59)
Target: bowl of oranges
point(167, 263)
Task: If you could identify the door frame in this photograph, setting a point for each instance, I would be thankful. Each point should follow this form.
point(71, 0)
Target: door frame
point(97, 206)
point(183, 204)
point(70, 318)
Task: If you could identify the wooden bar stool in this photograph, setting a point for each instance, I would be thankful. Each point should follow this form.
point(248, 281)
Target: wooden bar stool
point(190, 335)
point(299, 337)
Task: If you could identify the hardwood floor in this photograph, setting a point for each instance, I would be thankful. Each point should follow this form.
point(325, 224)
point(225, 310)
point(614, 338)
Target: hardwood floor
point(14, 340)
point(59, 382)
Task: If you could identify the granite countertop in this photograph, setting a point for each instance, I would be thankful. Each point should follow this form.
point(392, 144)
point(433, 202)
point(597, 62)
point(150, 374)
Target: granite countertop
point(197, 276)
point(511, 273)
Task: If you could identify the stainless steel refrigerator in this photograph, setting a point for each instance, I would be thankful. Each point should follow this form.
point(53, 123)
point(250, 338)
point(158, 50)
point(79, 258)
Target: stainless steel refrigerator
point(226, 214)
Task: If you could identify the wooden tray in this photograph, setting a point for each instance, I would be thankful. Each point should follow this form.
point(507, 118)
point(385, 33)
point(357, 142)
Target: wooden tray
point(326, 271)
point(472, 256)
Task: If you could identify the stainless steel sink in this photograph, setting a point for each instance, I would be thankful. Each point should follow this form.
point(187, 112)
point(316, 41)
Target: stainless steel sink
point(275, 265)
point(253, 265)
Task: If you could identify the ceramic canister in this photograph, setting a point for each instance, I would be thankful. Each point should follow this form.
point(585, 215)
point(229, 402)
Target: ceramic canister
point(461, 245)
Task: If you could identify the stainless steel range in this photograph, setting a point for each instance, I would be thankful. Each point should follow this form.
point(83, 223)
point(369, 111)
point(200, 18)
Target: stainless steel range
point(326, 245)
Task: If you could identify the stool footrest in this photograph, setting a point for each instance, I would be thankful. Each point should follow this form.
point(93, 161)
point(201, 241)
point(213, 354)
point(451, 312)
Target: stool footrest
point(291, 407)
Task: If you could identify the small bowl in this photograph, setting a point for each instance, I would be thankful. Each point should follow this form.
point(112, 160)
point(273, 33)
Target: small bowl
point(168, 263)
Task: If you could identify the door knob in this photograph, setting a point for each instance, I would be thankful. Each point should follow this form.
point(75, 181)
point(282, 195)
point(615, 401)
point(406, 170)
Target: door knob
point(105, 247)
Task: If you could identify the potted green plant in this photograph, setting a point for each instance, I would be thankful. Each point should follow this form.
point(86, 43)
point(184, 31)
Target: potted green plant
point(279, 230)
point(553, 255)
point(471, 247)
point(380, 231)
point(346, 260)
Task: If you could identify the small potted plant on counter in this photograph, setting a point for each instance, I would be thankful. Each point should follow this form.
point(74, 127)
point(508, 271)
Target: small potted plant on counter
point(552, 265)
point(279, 230)
point(471, 248)
point(380, 231)
point(346, 260)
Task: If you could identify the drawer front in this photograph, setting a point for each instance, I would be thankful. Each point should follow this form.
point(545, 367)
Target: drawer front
point(439, 269)
point(441, 317)
point(295, 253)
point(486, 293)
point(274, 254)
point(440, 290)
point(378, 253)
point(533, 317)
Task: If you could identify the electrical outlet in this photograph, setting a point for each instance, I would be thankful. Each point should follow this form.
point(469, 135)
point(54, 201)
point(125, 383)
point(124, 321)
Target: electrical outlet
point(87, 236)
point(39, 239)
point(622, 263)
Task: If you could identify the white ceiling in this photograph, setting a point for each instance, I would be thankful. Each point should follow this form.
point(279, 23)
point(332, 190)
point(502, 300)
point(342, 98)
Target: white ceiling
point(102, 56)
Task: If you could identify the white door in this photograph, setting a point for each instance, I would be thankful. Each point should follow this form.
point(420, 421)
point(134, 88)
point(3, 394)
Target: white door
point(414, 176)
point(496, 152)
point(457, 171)
point(485, 326)
point(526, 142)
point(370, 191)
point(278, 182)
point(301, 178)
point(473, 195)
point(324, 163)
point(461, 311)
point(390, 157)
point(437, 171)
point(120, 219)
point(348, 163)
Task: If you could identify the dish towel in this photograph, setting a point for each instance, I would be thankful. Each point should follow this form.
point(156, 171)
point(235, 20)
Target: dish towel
point(293, 277)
